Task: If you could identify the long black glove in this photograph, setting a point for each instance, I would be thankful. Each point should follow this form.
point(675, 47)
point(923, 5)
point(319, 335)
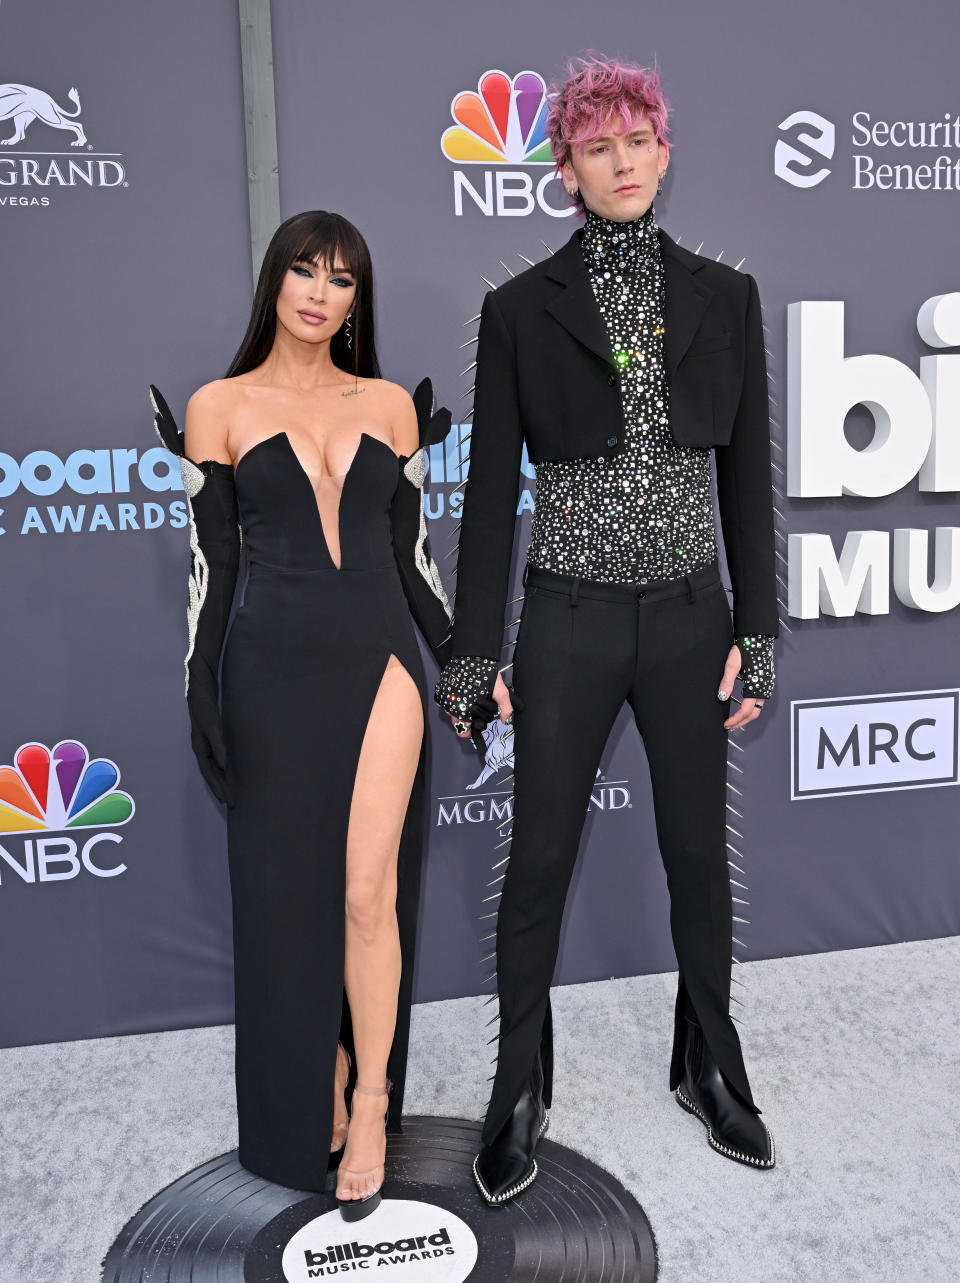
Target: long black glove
point(215, 560)
point(421, 580)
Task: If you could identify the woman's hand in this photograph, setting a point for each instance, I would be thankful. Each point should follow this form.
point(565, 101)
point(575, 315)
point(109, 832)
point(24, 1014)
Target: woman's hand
point(749, 709)
point(501, 697)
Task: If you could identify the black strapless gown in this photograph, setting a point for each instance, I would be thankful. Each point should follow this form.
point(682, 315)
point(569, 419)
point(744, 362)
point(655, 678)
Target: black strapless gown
point(301, 668)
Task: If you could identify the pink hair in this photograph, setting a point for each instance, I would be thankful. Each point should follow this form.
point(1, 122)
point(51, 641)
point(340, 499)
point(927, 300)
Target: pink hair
point(597, 90)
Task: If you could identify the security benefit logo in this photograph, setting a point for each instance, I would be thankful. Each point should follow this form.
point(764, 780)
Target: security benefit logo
point(501, 133)
point(878, 742)
point(86, 491)
point(38, 165)
point(402, 1239)
point(885, 155)
point(60, 791)
point(811, 138)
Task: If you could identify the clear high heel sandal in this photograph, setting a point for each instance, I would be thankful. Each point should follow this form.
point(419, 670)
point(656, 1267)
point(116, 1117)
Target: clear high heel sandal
point(355, 1209)
point(338, 1139)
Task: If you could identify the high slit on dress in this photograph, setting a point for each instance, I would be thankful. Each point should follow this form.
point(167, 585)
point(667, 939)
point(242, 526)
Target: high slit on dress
point(302, 666)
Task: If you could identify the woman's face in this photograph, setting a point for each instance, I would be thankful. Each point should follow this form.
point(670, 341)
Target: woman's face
point(617, 173)
point(315, 299)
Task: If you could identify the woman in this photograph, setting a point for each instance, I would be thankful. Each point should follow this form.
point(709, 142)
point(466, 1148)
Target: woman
point(319, 754)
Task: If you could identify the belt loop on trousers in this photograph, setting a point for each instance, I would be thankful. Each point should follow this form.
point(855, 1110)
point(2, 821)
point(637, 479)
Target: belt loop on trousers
point(691, 594)
point(575, 592)
point(526, 572)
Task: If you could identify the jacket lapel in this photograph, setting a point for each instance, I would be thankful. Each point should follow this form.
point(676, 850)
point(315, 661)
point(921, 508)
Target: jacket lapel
point(575, 306)
point(686, 300)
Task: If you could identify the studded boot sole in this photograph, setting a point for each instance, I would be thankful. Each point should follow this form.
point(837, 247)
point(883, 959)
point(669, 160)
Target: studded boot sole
point(727, 1152)
point(497, 1200)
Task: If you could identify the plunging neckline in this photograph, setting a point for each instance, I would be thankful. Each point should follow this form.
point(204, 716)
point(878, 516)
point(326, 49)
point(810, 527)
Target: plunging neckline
point(337, 565)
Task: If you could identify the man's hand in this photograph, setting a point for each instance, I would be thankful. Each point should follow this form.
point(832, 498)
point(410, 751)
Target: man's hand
point(501, 697)
point(749, 709)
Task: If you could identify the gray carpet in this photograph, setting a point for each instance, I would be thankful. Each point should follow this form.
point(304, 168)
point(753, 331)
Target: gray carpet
point(853, 1056)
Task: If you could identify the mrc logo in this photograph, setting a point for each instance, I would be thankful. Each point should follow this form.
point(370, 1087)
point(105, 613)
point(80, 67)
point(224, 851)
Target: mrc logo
point(59, 790)
point(504, 124)
point(907, 740)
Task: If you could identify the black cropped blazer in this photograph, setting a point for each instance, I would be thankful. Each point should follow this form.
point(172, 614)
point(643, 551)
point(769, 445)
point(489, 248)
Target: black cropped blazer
point(546, 375)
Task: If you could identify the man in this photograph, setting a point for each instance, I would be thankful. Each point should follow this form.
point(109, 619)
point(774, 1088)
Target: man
point(621, 361)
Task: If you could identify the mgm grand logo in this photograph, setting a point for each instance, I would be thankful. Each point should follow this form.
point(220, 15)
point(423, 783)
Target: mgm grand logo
point(25, 106)
point(336, 1258)
point(478, 805)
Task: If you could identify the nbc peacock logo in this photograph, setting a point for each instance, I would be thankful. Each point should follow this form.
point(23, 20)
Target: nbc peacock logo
point(60, 790)
point(503, 124)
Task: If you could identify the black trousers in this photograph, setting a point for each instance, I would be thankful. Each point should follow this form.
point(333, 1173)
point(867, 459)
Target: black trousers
point(583, 649)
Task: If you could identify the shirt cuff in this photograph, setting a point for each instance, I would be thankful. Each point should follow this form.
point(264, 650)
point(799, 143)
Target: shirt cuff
point(464, 680)
point(756, 665)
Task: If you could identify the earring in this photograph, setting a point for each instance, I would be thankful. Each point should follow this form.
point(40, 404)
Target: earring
point(660, 185)
point(349, 329)
point(571, 191)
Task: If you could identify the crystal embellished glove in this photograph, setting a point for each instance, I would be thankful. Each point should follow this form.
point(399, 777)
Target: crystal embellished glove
point(421, 580)
point(465, 688)
point(756, 668)
point(215, 559)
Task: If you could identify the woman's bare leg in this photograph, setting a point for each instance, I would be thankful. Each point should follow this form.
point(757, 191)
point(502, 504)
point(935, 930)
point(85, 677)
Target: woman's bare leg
point(385, 774)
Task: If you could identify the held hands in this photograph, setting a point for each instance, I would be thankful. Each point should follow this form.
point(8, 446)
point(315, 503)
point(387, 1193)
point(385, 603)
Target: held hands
point(749, 709)
point(501, 705)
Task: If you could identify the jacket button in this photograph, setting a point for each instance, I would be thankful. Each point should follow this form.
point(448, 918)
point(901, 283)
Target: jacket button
point(613, 379)
point(611, 441)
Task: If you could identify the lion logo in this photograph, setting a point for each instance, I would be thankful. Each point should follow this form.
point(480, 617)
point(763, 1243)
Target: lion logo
point(23, 105)
point(498, 739)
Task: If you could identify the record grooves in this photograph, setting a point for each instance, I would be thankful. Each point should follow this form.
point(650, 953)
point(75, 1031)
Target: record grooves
point(220, 1224)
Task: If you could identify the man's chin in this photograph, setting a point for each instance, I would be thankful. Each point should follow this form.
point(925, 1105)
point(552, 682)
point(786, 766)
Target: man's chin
point(624, 209)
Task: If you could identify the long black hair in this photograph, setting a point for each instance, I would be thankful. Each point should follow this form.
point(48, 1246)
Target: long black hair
point(316, 236)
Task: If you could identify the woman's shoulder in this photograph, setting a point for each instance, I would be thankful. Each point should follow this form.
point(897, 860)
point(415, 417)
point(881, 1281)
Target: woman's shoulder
point(213, 395)
point(396, 405)
point(207, 421)
point(391, 393)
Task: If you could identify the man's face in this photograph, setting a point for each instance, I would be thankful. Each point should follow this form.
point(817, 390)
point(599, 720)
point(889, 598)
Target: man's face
point(617, 173)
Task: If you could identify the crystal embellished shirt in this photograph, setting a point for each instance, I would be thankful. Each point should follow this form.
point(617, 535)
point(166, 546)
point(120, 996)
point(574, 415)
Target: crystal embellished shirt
point(646, 513)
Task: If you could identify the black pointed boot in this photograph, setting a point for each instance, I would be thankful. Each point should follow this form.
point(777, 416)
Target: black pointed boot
point(732, 1129)
point(507, 1166)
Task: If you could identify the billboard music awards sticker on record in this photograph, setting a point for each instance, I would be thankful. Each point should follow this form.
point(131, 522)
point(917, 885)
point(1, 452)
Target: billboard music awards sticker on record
point(401, 1239)
point(221, 1224)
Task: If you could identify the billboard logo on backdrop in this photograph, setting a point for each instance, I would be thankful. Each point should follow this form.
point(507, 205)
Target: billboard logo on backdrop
point(35, 174)
point(875, 743)
point(448, 463)
point(794, 165)
point(503, 124)
point(915, 418)
point(91, 472)
point(59, 790)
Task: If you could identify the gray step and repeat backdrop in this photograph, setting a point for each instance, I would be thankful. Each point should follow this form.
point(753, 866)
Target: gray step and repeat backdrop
point(820, 152)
